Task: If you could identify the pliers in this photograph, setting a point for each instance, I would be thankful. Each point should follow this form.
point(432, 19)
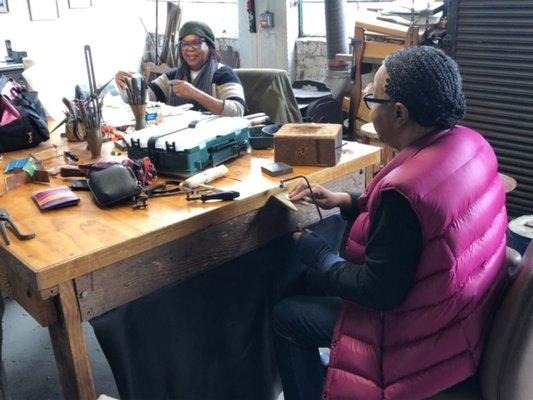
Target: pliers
point(7, 221)
point(169, 188)
point(172, 187)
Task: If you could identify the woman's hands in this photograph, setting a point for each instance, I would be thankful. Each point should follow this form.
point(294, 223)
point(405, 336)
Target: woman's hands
point(121, 76)
point(188, 91)
point(296, 235)
point(184, 89)
point(324, 197)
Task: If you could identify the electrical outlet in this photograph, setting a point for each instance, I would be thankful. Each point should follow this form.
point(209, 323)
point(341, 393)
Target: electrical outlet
point(266, 20)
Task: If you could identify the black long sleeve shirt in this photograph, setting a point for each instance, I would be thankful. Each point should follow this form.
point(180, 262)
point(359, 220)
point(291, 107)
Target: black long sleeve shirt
point(392, 253)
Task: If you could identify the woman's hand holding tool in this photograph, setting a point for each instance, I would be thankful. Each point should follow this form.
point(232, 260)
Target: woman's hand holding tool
point(121, 77)
point(136, 90)
point(183, 89)
point(323, 197)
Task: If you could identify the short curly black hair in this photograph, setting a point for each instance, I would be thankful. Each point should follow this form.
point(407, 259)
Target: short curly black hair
point(428, 83)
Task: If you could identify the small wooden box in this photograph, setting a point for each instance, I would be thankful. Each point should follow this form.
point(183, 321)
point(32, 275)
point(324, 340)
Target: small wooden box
point(308, 144)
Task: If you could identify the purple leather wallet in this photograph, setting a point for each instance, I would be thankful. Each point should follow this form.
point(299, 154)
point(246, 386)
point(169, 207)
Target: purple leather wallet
point(56, 197)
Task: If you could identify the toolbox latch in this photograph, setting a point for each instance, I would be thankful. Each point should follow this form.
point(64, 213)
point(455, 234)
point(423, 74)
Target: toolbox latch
point(224, 152)
point(170, 146)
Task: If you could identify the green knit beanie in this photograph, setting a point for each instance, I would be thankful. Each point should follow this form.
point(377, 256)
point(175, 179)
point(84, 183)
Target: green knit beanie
point(199, 29)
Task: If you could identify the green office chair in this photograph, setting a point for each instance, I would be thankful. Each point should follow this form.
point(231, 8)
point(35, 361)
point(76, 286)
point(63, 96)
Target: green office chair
point(269, 91)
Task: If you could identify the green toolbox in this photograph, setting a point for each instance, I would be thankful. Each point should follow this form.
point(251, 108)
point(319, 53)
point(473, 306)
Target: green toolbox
point(190, 142)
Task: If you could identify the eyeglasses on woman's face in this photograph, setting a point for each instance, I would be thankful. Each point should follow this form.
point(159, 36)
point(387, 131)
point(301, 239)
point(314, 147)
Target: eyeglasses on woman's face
point(369, 99)
point(191, 44)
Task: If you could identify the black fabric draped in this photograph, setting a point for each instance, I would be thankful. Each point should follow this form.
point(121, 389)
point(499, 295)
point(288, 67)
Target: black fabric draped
point(208, 337)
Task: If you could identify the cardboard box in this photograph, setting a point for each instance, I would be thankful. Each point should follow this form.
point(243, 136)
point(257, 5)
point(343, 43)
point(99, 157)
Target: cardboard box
point(308, 144)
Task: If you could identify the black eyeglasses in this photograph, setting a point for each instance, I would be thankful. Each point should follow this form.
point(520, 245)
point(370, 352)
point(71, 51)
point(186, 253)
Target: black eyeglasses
point(369, 99)
point(193, 44)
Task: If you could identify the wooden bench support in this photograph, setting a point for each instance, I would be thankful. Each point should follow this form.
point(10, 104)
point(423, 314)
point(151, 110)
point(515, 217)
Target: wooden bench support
point(70, 350)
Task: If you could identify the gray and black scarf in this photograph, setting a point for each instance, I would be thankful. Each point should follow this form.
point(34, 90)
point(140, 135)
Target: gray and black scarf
point(203, 81)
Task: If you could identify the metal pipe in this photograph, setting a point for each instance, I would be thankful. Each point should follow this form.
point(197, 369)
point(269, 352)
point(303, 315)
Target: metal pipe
point(338, 72)
point(336, 40)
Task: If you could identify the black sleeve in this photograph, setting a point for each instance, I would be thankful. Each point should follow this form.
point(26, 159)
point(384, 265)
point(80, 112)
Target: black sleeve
point(225, 75)
point(172, 74)
point(392, 253)
point(352, 212)
point(159, 94)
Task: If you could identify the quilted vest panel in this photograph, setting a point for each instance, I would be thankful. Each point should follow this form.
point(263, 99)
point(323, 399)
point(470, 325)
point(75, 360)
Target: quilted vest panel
point(434, 339)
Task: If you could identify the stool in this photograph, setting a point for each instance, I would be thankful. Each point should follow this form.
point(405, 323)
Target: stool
point(509, 183)
point(368, 134)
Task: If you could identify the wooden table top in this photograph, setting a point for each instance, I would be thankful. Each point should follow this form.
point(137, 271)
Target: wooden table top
point(74, 241)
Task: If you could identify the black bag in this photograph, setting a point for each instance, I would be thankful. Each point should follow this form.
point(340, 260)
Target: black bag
point(114, 185)
point(30, 127)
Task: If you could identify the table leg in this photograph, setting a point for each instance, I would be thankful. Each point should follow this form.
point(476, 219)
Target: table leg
point(70, 348)
point(3, 383)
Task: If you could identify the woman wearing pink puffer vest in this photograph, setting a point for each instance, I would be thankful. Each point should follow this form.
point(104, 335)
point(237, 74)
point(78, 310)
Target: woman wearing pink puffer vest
point(405, 311)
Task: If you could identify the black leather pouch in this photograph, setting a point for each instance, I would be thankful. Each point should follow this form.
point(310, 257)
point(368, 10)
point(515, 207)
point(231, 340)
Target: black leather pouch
point(114, 185)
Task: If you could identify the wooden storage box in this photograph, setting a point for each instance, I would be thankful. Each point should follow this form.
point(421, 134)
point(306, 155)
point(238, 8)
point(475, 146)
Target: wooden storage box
point(308, 144)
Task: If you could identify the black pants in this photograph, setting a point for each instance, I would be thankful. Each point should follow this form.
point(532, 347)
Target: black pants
point(302, 324)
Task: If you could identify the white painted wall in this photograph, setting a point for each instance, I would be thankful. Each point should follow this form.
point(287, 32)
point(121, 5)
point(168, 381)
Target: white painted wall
point(311, 59)
point(269, 48)
point(292, 34)
point(117, 38)
point(111, 27)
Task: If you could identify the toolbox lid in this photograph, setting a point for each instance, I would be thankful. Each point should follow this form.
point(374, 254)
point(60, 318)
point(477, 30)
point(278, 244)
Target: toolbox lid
point(173, 124)
point(205, 131)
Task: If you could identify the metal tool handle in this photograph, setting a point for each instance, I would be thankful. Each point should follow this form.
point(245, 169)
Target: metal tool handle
point(7, 222)
point(3, 231)
point(224, 196)
point(92, 82)
point(204, 177)
point(90, 68)
point(18, 233)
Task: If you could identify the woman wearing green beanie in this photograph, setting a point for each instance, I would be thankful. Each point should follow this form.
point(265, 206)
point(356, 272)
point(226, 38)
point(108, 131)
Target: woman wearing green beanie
point(200, 79)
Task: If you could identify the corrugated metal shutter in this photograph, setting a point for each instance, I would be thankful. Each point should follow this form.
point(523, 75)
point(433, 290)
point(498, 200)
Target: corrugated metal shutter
point(492, 41)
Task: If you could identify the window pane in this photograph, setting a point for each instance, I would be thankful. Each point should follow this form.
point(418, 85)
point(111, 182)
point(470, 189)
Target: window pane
point(222, 16)
point(314, 20)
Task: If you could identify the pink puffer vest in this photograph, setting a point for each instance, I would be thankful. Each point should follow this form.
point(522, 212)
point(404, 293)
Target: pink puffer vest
point(434, 339)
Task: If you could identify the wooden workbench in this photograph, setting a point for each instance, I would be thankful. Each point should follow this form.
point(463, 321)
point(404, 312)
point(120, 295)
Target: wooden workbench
point(86, 260)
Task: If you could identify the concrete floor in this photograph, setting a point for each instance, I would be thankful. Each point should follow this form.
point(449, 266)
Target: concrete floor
point(29, 359)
